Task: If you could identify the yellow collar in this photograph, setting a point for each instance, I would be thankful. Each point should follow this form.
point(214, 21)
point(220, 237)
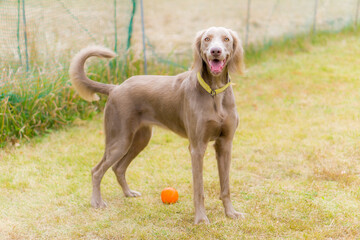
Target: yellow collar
point(208, 88)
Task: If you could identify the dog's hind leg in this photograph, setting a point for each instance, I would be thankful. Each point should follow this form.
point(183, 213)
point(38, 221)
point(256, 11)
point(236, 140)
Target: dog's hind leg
point(141, 140)
point(115, 150)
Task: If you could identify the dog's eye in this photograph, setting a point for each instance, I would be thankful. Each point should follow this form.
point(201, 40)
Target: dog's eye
point(226, 39)
point(207, 39)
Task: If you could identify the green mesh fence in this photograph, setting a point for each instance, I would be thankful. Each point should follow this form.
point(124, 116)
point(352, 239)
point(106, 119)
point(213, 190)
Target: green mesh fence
point(34, 31)
point(57, 27)
point(171, 25)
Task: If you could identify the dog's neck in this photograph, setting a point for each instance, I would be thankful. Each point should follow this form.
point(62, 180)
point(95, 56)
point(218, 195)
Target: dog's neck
point(215, 82)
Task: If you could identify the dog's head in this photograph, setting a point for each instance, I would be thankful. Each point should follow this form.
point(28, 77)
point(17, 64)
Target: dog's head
point(219, 49)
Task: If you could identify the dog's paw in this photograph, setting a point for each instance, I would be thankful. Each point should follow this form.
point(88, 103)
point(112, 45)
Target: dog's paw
point(98, 203)
point(201, 219)
point(132, 193)
point(235, 215)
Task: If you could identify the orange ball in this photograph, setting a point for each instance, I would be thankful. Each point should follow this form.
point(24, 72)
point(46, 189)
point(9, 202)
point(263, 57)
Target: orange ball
point(169, 195)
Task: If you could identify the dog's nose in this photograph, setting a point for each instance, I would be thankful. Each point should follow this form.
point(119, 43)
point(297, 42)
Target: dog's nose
point(215, 51)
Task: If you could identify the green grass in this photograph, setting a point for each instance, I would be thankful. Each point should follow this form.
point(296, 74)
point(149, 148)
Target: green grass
point(295, 170)
point(35, 102)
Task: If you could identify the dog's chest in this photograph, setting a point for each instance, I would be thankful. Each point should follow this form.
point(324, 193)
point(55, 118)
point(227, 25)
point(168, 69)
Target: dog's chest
point(218, 106)
point(219, 118)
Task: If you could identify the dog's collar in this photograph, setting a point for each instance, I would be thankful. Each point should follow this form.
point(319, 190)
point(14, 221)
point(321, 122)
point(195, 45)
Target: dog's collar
point(208, 88)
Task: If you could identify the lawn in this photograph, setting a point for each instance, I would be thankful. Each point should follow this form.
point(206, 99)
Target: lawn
point(295, 170)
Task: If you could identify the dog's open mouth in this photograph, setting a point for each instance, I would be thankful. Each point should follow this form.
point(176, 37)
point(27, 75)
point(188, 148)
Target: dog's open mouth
point(216, 65)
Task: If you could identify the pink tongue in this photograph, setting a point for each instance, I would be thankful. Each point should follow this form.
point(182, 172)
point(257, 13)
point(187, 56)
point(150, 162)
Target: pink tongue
point(216, 66)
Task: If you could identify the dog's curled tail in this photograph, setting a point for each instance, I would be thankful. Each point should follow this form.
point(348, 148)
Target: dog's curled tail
point(86, 87)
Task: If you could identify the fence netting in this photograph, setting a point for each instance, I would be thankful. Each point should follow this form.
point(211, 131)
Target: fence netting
point(45, 29)
point(36, 30)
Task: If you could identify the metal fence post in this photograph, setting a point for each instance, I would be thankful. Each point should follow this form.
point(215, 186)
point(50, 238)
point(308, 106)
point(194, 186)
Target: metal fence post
point(18, 33)
point(315, 16)
point(143, 35)
point(247, 23)
point(25, 37)
point(115, 28)
point(130, 28)
point(357, 12)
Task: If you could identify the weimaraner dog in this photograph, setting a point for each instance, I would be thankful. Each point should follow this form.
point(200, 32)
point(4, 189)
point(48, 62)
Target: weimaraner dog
point(198, 104)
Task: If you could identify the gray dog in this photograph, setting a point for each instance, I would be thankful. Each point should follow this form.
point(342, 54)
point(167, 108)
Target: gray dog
point(198, 104)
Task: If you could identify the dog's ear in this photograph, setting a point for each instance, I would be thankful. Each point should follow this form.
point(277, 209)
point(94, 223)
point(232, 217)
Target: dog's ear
point(236, 63)
point(197, 64)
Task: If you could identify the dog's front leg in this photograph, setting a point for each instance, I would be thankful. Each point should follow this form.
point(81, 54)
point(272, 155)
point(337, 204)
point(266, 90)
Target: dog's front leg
point(197, 152)
point(223, 148)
